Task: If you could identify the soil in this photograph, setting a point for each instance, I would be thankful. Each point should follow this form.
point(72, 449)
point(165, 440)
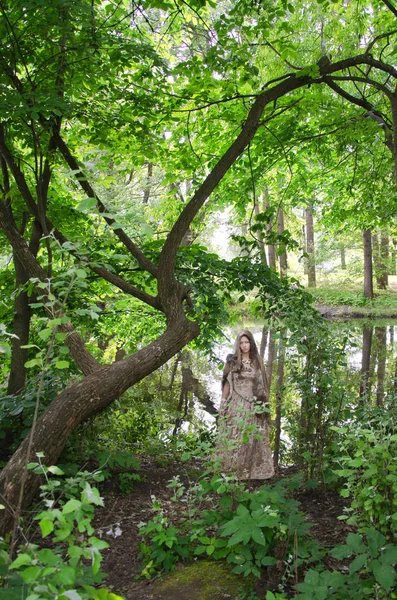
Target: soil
point(117, 523)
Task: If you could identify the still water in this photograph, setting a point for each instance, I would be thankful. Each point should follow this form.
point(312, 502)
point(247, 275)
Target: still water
point(367, 364)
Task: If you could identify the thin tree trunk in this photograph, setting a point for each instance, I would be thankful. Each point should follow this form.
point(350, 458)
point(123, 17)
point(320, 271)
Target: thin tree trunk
point(368, 277)
point(148, 187)
point(311, 275)
point(21, 320)
point(263, 345)
point(271, 252)
point(343, 258)
point(384, 259)
point(279, 399)
point(260, 236)
point(304, 246)
point(380, 333)
point(283, 256)
point(270, 357)
point(365, 363)
point(393, 258)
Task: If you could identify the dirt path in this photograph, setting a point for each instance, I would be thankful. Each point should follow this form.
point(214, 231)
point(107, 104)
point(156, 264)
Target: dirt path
point(117, 523)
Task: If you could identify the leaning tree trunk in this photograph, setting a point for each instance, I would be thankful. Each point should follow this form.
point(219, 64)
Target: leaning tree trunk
point(80, 401)
point(368, 277)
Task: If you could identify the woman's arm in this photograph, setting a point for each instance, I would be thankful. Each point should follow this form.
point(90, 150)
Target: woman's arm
point(225, 383)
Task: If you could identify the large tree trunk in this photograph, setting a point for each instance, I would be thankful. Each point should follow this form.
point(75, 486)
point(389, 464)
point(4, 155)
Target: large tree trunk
point(368, 278)
point(311, 267)
point(80, 401)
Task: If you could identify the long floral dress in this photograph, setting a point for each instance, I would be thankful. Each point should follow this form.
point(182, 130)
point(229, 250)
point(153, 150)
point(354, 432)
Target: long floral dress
point(243, 445)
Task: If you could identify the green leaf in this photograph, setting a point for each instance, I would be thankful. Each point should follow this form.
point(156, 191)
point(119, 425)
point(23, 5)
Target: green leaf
point(31, 574)
point(389, 557)
point(70, 595)
point(385, 575)
point(48, 557)
point(340, 552)
point(358, 563)
point(375, 541)
point(62, 364)
point(71, 506)
point(55, 470)
point(22, 559)
point(46, 527)
point(67, 575)
point(355, 542)
point(86, 205)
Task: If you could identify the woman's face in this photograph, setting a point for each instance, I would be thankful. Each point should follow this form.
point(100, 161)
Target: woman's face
point(244, 344)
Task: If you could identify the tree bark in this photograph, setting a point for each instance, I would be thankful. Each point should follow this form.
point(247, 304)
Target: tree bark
point(283, 256)
point(393, 257)
point(365, 363)
point(343, 258)
point(270, 357)
point(21, 319)
point(380, 333)
point(271, 251)
point(368, 277)
point(80, 401)
point(279, 400)
point(257, 211)
point(311, 274)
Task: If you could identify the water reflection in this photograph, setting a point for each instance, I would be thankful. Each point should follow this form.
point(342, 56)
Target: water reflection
point(369, 371)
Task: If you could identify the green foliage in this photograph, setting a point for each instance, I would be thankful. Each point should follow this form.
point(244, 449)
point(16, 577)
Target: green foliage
point(222, 519)
point(67, 564)
point(371, 571)
point(367, 454)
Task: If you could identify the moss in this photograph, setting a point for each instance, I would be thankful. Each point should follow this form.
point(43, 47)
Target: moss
point(203, 580)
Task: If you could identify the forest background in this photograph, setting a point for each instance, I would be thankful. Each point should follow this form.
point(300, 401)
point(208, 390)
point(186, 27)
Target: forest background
point(128, 134)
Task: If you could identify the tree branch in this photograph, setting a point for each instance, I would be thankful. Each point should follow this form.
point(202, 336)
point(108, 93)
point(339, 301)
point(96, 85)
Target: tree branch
point(79, 353)
point(82, 179)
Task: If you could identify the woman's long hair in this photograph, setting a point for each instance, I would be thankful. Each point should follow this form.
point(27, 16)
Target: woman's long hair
point(254, 354)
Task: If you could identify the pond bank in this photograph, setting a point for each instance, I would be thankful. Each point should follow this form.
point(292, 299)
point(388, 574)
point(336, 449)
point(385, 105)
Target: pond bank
point(345, 311)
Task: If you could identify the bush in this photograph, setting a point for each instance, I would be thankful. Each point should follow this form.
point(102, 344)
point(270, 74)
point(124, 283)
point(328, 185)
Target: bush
point(68, 565)
point(222, 519)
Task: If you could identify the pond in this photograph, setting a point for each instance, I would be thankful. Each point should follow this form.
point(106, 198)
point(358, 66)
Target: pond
point(320, 379)
point(369, 366)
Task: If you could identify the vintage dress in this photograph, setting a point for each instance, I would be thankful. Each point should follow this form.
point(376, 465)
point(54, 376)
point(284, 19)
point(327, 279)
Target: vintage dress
point(243, 445)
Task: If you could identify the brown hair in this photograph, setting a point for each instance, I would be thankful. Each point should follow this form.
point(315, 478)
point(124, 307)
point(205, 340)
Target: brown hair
point(254, 354)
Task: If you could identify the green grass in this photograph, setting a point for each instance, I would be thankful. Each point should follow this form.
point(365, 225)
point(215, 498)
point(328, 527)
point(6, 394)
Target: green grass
point(383, 304)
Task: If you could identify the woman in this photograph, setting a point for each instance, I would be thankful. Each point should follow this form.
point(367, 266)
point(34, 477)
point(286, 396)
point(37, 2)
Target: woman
point(243, 441)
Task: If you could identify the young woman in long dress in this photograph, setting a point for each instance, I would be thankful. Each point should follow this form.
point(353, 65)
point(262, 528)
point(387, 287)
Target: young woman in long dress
point(243, 445)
